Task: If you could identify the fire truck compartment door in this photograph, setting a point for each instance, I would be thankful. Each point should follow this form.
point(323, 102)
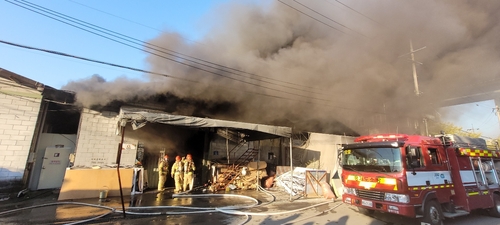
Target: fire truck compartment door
point(421, 178)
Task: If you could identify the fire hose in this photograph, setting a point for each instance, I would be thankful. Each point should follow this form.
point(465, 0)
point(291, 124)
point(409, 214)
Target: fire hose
point(231, 210)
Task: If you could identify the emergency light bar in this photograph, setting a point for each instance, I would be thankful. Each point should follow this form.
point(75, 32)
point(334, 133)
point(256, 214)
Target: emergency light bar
point(382, 137)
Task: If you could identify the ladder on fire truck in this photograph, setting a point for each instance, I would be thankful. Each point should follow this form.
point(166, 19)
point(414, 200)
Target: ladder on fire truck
point(483, 169)
point(234, 170)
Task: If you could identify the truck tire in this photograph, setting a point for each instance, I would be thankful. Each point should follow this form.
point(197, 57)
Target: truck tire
point(495, 210)
point(433, 214)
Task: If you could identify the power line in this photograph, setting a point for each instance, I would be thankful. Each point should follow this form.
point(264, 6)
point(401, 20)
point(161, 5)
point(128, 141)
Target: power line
point(147, 45)
point(328, 18)
point(174, 77)
point(286, 82)
point(325, 100)
point(142, 43)
point(356, 11)
point(91, 60)
point(123, 18)
point(328, 25)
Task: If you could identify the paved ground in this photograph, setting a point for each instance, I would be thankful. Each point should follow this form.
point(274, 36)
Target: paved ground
point(270, 211)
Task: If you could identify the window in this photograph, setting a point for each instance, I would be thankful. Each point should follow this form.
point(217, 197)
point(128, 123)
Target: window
point(434, 156)
point(378, 159)
point(415, 158)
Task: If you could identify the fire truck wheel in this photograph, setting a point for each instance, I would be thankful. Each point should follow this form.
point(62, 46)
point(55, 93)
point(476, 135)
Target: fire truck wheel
point(366, 211)
point(495, 211)
point(433, 213)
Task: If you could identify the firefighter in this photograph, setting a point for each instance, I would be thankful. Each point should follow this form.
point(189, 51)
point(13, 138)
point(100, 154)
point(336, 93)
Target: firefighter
point(163, 167)
point(188, 172)
point(178, 173)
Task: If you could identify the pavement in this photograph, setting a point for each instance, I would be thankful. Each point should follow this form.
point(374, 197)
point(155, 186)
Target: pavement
point(153, 207)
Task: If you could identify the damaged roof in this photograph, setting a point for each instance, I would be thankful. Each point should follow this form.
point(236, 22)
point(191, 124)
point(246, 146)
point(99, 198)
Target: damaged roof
point(49, 93)
point(139, 117)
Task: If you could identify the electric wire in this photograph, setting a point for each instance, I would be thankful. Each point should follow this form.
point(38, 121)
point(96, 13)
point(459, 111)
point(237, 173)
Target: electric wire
point(182, 53)
point(328, 18)
point(69, 60)
point(128, 20)
point(26, 5)
point(486, 119)
point(186, 64)
point(95, 61)
point(187, 80)
point(309, 97)
point(199, 43)
point(157, 48)
point(356, 11)
point(328, 25)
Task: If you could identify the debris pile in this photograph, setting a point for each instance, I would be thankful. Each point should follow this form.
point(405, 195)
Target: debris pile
point(306, 182)
point(294, 182)
point(239, 177)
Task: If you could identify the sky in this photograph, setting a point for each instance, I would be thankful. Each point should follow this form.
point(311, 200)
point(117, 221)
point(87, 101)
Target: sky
point(478, 117)
point(268, 38)
point(139, 20)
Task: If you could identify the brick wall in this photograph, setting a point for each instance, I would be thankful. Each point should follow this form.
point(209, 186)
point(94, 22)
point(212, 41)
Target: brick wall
point(19, 108)
point(97, 143)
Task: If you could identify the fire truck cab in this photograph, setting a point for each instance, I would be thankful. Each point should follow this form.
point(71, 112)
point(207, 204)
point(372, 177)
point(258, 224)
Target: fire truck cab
point(431, 178)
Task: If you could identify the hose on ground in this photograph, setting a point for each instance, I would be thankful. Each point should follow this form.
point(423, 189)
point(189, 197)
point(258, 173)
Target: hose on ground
point(235, 212)
point(231, 210)
point(66, 203)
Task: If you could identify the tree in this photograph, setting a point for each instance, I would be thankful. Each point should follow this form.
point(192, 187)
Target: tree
point(449, 128)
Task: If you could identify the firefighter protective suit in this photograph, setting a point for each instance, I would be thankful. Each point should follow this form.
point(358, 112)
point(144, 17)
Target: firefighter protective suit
point(178, 173)
point(188, 173)
point(163, 168)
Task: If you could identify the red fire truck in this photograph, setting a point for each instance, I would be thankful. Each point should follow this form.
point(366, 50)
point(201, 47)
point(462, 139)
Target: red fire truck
point(431, 178)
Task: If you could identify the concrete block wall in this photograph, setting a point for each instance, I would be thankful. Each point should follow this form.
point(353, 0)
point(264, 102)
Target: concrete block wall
point(97, 143)
point(18, 117)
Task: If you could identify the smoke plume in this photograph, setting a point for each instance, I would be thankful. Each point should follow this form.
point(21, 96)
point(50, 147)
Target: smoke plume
point(345, 65)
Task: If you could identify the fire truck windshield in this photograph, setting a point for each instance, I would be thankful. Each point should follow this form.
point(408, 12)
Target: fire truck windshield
point(384, 159)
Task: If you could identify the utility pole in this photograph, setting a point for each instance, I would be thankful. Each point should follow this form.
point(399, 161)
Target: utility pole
point(497, 111)
point(412, 55)
point(415, 80)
